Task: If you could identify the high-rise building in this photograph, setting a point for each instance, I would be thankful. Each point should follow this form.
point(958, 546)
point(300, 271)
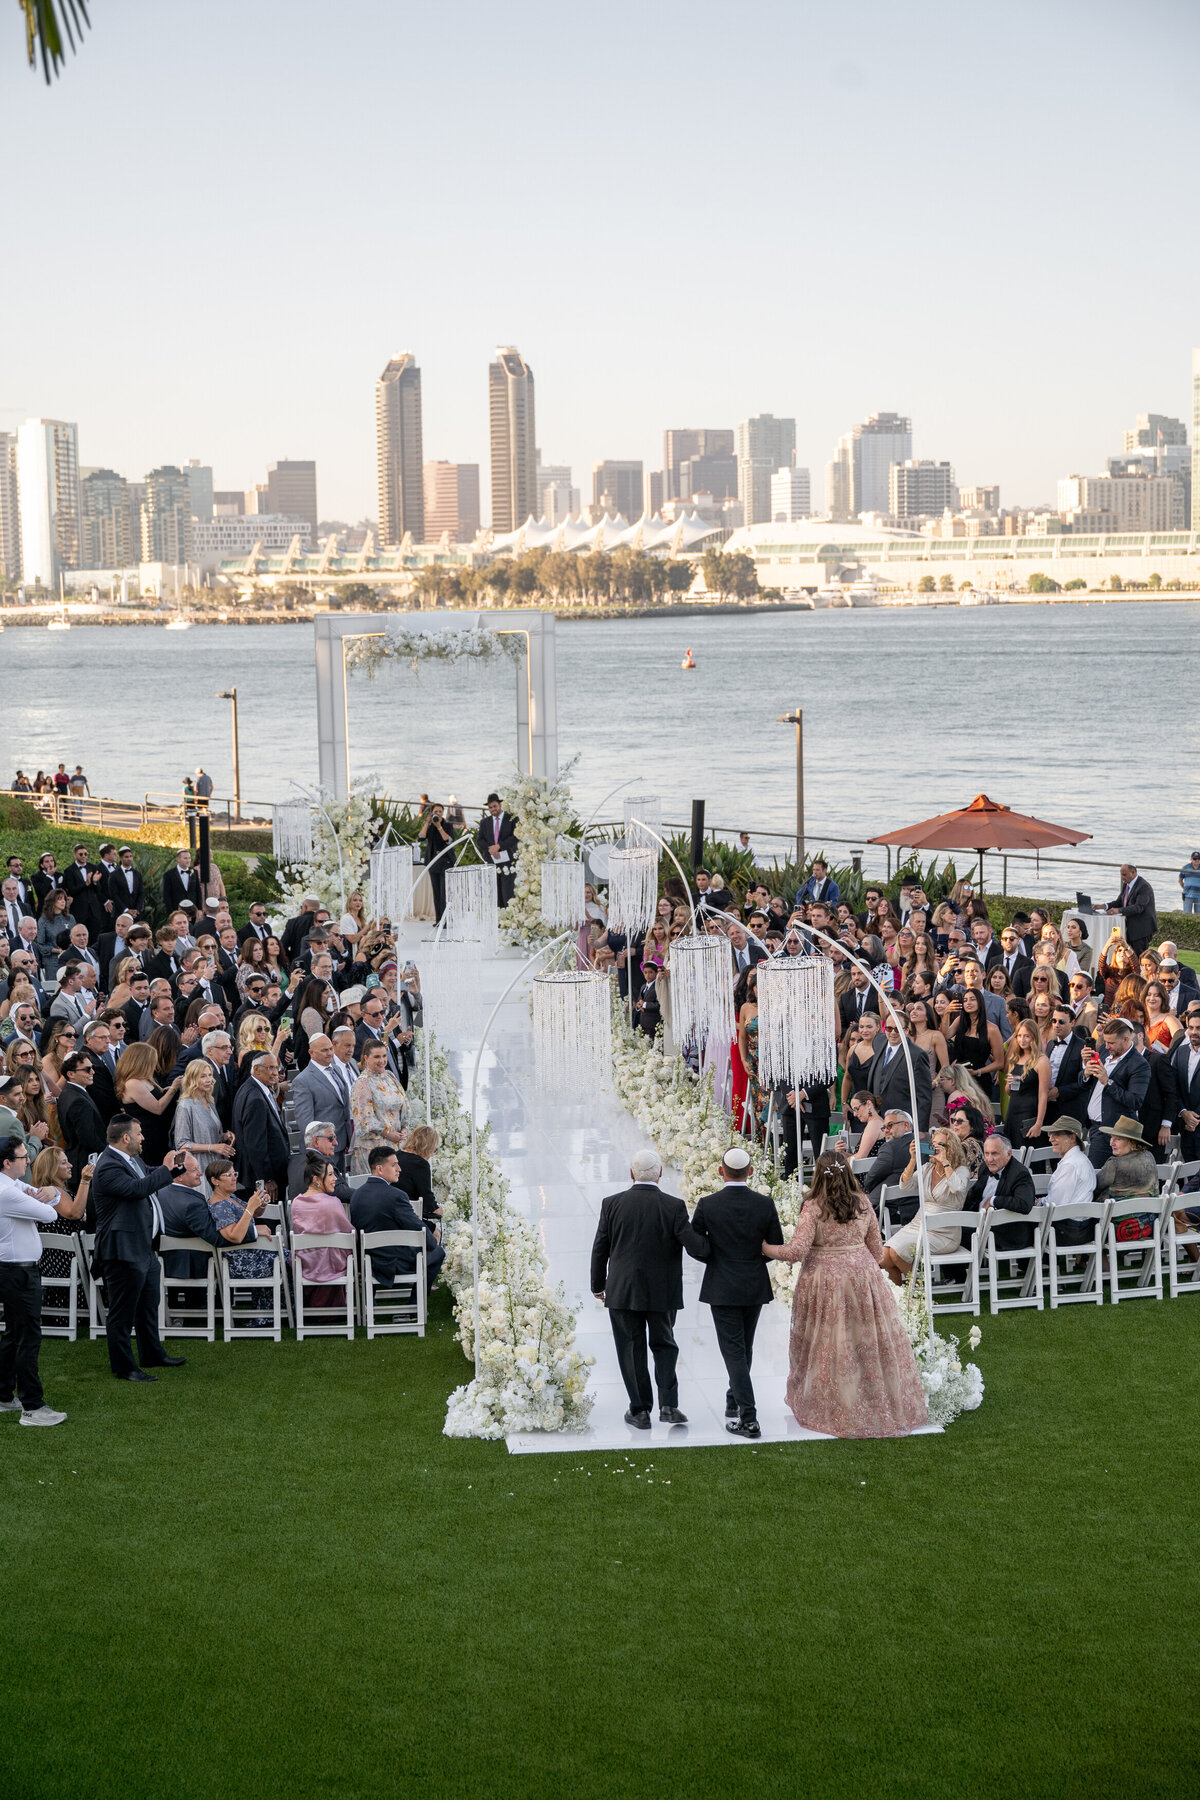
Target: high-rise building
point(980, 498)
point(292, 492)
point(682, 445)
point(921, 489)
point(48, 473)
point(712, 474)
point(229, 503)
point(10, 509)
point(398, 450)
point(764, 444)
point(791, 496)
point(1155, 431)
point(1126, 502)
point(109, 539)
point(167, 517)
point(858, 476)
point(656, 491)
point(1195, 520)
point(451, 501)
point(557, 496)
point(255, 500)
point(513, 440)
point(199, 477)
point(618, 487)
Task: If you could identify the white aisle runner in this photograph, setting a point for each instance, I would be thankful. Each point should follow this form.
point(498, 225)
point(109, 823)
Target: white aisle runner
point(561, 1159)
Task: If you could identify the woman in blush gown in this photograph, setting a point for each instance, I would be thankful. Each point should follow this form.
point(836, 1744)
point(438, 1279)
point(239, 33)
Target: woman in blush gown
point(853, 1372)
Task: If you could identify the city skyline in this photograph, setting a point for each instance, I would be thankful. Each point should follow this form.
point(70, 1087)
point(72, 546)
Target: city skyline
point(776, 299)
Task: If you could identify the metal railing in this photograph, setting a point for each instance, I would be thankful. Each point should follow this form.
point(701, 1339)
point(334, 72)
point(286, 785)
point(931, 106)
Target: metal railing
point(103, 813)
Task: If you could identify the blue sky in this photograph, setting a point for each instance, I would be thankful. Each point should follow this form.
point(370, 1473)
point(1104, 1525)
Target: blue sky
point(223, 218)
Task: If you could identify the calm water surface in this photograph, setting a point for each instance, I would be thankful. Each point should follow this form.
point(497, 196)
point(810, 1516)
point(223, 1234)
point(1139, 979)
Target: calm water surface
point(1078, 714)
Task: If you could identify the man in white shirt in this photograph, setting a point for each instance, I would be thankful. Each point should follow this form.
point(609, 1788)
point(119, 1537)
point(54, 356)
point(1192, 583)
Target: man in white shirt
point(22, 1210)
point(1073, 1182)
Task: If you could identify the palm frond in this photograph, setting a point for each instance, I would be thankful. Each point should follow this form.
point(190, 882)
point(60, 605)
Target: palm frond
point(51, 28)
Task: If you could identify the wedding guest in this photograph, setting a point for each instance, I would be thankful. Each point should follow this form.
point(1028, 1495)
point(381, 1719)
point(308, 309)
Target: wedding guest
point(852, 1369)
point(24, 1210)
point(1028, 1080)
point(378, 1106)
point(197, 1124)
point(380, 1203)
point(318, 1210)
point(948, 1178)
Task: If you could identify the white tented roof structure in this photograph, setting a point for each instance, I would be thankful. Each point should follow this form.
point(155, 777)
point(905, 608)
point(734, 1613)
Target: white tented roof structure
point(655, 534)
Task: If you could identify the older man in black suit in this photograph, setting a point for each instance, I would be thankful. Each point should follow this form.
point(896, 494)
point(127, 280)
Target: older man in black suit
point(890, 1162)
point(1007, 1185)
point(496, 836)
point(637, 1271)
point(128, 1222)
point(736, 1221)
point(262, 1140)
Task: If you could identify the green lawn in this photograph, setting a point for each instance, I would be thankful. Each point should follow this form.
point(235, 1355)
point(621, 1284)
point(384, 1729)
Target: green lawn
point(271, 1575)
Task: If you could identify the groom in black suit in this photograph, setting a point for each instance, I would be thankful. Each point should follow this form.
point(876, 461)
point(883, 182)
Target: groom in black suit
point(736, 1221)
point(637, 1271)
point(496, 836)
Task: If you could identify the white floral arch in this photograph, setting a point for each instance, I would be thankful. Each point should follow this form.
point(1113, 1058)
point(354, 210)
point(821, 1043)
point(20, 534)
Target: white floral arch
point(537, 707)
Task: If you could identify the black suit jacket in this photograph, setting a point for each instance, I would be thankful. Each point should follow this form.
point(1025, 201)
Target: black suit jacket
point(161, 967)
point(1019, 971)
point(1162, 1095)
point(120, 1199)
point(890, 1084)
point(1014, 1193)
point(119, 892)
point(1187, 1093)
point(262, 1145)
point(416, 1179)
point(377, 1206)
point(103, 1095)
point(1141, 914)
point(295, 1177)
point(735, 1220)
point(849, 1011)
point(887, 1166)
point(177, 886)
point(75, 881)
point(44, 884)
point(1125, 1092)
point(1073, 1085)
point(294, 934)
point(81, 1125)
point(637, 1253)
point(485, 837)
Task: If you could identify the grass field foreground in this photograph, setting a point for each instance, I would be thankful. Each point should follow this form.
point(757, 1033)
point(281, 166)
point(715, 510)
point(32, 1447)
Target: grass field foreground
point(270, 1574)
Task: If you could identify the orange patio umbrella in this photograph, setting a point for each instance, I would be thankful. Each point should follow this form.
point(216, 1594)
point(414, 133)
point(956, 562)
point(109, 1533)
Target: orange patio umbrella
point(984, 825)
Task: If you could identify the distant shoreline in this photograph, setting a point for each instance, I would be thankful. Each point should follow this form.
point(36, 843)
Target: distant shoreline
point(17, 618)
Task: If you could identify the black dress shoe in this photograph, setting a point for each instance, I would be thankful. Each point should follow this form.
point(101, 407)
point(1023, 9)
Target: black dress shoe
point(640, 1419)
point(170, 1362)
point(747, 1428)
point(137, 1375)
point(671, 1415)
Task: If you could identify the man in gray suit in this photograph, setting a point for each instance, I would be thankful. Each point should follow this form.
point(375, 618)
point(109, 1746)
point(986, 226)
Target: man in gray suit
point(318, 1093)
point(887, 1076)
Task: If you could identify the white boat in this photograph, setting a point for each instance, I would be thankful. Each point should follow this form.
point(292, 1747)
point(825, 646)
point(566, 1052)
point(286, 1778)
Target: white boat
point(179, 623)
point(61, 623)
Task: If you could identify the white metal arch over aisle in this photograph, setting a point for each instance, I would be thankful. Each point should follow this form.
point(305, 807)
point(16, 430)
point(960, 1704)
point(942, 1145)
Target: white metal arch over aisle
point(537, 710)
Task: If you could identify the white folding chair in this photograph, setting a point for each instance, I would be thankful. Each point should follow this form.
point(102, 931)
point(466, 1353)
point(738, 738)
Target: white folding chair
point(889, 1226)
point(1145, 1280)
point(1041, 1184)
point(397, 1305)
point(1024, 1286)
point(62, 1299)
point(1039, 1156)
point(183, 1321)
point(1181, 1235)
point(965, 1257)
point(274, 1219)
point(97, 1309)
point(1090, 1279)
point(235, 1288)
point(331, 1326)
point(354, 1181)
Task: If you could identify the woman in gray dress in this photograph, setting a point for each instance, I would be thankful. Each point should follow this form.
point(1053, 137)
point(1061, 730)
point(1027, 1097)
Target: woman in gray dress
point(197, 1125)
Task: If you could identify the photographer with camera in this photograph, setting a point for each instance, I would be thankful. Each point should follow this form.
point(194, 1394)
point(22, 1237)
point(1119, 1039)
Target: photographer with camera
point(436, 836)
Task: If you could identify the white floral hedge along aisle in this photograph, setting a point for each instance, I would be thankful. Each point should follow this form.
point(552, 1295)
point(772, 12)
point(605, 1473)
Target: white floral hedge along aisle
point(344, 825)
point(545, 820)
point(689, 1129)
point(531, 1377)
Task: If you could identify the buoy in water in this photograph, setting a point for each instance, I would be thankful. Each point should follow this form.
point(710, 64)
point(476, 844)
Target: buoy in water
point(689, 661)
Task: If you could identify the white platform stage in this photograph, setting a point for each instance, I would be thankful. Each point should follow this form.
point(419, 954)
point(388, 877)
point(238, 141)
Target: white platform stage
point(561, 1159)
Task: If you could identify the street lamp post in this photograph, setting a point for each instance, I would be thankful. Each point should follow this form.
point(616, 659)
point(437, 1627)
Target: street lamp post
point(231, 694)
point(797, 719)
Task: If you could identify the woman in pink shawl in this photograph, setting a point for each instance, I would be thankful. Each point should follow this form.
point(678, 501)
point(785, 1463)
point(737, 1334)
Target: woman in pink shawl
point(318, 1209)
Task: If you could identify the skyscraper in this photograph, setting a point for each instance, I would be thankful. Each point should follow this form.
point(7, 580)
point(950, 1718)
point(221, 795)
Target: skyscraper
point(791, 496)
point(48, 472)
point(292, 492)
point(111, 538)
point(681, 446)
point(1196, 440)
point(513, 440)
point(1155, 431)
point(167, 517)
point(858, 477)
point(398, 450)
point(764, 444)
point(10, 509)
point(199, 477)
point(618, 487)
point(451, 501)
point(921, 489)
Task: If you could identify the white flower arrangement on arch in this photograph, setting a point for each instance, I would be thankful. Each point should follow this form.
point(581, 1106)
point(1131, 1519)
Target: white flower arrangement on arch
point(399, 644)
point(336, 824)
point(691, 1132)
point(545, 820)
point(531, 1376)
